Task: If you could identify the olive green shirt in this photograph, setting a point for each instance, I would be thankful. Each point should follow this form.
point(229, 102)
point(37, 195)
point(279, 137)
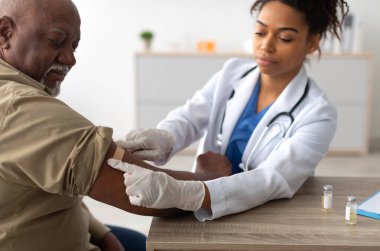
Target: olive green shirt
point(50, 156)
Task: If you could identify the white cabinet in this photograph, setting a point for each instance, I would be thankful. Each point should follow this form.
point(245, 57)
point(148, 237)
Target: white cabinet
point(347, 79)
point(166, 80)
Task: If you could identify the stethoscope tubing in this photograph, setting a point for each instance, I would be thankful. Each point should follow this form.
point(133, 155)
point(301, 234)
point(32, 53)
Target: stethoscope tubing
point(243, 166)
point(271, 123)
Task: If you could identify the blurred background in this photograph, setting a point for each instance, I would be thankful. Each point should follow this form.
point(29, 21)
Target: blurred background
point(105, 72)
point(116, 71)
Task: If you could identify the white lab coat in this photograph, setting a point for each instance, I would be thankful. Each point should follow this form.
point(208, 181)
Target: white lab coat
point(271, 175)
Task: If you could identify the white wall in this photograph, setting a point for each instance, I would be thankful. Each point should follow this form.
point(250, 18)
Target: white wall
point(101, 85)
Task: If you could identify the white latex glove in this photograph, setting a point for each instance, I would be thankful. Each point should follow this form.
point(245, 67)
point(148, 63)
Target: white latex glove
point(152, 189)
point(149, 144)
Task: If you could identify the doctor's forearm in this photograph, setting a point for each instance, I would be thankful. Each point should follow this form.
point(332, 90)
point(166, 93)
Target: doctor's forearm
point(207, 200)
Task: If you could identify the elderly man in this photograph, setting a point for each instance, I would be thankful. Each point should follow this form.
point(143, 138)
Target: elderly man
point(50, 156)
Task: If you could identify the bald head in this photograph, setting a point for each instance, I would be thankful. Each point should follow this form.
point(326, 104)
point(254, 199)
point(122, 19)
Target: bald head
point(26, 10)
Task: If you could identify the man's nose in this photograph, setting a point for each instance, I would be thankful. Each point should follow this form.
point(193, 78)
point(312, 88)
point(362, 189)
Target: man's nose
point(67, 56)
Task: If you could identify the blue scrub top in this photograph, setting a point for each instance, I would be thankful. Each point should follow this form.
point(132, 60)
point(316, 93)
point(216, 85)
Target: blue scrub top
point(243, 130)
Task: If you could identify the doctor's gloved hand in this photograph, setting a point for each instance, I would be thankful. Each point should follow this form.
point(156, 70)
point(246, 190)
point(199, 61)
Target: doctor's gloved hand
point(158, 190)
point(149, 144)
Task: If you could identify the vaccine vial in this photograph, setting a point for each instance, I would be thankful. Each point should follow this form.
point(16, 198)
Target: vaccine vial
point(327, 198)
point(351, 208)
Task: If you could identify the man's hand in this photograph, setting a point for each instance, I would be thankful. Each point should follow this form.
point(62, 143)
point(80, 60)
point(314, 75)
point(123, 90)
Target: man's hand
point(149, 144)
point(153, 189)
point(110, 243)
point(212, 165)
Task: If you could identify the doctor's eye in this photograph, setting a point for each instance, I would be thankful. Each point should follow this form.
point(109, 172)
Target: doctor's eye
point(259, 34)
point(285, 40)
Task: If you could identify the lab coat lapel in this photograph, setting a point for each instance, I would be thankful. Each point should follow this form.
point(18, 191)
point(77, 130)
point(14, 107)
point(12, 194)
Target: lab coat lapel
point(284, 103)
point(234, 107)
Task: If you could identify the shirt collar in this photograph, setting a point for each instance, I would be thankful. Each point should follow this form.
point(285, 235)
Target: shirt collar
point(8, 72)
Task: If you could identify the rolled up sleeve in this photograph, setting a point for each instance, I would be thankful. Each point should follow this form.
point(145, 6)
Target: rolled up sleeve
point(47, 145)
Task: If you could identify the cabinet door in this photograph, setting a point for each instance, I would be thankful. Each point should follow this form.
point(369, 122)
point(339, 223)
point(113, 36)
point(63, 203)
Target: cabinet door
point(167, 81)
point(346, 80)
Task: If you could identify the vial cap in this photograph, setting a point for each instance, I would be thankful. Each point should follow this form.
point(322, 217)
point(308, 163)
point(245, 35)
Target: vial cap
point(351, 198)
point(327, 187)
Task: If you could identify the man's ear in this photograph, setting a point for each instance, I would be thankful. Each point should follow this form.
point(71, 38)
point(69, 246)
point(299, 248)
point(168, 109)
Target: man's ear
point(6, 30)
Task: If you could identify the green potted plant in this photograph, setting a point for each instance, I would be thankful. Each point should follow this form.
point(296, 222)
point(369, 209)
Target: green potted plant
point(147, 37)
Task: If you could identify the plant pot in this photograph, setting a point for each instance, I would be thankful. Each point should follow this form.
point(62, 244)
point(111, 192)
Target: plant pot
point(147, 45)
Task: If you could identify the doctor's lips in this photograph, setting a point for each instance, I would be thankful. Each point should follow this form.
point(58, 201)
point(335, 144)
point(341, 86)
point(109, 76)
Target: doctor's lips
point(265, 61)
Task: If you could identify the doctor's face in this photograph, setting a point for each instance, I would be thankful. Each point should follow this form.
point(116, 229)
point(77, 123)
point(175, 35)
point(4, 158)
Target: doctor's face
point(281, 40)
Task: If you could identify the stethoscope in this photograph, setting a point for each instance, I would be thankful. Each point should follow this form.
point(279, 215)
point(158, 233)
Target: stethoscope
point(271, 124)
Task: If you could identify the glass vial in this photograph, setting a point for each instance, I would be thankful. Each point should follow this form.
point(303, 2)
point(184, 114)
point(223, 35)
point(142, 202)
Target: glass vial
point(351, 208)
point(327, 198)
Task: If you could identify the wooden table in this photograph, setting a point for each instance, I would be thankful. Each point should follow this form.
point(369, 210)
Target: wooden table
point(286, 224)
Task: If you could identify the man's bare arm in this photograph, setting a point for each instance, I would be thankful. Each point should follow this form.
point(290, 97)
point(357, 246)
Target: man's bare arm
point(109, 187)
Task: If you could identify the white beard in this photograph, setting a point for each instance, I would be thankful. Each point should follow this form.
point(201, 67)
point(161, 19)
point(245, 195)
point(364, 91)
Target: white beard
point(56, 89)
point(53, 91)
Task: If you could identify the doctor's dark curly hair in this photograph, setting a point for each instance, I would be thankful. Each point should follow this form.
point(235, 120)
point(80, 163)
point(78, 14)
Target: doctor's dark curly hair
point(322, 16)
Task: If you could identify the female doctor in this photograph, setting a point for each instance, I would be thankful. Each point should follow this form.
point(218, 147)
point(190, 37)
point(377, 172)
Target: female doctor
point(267, 116)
